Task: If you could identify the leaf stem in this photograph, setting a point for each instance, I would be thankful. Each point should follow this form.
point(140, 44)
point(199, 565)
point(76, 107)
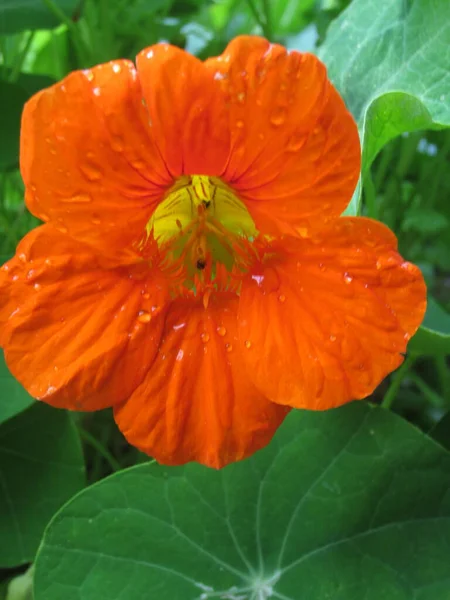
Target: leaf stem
point(396, 381)
point(18, 63)
point(263, 23)
point(101, 449)
point(370, 195)
point(433, 397)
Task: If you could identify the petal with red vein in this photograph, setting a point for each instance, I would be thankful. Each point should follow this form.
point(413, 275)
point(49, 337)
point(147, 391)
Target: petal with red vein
point(197, 403)
point(295, 153)
point(76, 334)
point(187, 111)
point(89, 160)
point(323, 321)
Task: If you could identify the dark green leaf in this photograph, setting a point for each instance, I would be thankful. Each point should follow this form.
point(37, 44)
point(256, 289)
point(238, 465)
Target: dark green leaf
point(433, 336)
point(441, 431)
point(19, 15)
point(12, 99)
point(390, 60)
point(13, 398)
point(347, 504)
point(41, 466)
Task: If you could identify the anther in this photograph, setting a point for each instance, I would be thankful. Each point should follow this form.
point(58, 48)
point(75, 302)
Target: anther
point(201, 264)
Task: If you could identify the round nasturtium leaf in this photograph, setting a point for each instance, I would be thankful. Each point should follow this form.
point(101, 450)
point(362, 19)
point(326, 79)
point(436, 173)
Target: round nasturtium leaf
point(346, 504)
point(390, 62)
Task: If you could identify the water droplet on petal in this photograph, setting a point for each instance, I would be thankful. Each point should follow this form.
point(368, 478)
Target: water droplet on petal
point(228, 347)
point(247, 344)
point(407, 337)
point(117, 144)
point(205, 337)
point(278, 117)
point(218, 75)
point(77, 199)
point(180, 355)
point(37, 286)
point(144, 317)
point(239, 124)
point(96, 220)
point(296, 141)
point(88, 74)
point(282, 298)
point(348, 278)
point(22, 257)
point(221, 330)
point(90, 172)
point(322, 267)
point(138, 165)
point(388, 261)
point(62, 228)
point(116, 68)
point(241, 98)
point(332, 338)
point(145, 295)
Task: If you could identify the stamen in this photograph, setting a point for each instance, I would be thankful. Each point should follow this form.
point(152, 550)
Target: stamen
point(204, 231)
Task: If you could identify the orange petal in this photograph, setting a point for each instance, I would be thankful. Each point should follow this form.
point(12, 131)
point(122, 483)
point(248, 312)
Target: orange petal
point(197, 403)
point(89, 159)
point(295, 156)
point(187, 111)
point(324, 320)
point(76, 335)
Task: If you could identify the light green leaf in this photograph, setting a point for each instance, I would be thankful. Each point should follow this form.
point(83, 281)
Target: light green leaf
point(19, 15)
point(13, 398)
point(391, 62)
point(41, 467)
point(433, 336)
point(346, 504)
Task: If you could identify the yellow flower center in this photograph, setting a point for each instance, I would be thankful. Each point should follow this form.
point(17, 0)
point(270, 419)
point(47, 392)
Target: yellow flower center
point(202, 223)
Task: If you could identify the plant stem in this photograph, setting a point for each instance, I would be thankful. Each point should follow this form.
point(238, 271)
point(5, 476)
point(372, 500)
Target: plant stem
point(433, 397)
point(370, 195)
point(17, 67)
point(261, 22)
point(78, 42)
point(396, 381)
point(101, 449)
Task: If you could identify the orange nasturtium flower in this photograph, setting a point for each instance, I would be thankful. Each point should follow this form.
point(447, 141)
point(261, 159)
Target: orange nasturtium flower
point(194, 271)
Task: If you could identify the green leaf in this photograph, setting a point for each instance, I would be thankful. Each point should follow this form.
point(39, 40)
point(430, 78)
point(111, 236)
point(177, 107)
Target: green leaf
point(346, 504)
point(41, 467)
point(19, 15)
point(12, 99)
point(291, 16)
point(13, 398)
point(433, 336)
point(391, 62)
point(441, 431)
point(424, 220)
